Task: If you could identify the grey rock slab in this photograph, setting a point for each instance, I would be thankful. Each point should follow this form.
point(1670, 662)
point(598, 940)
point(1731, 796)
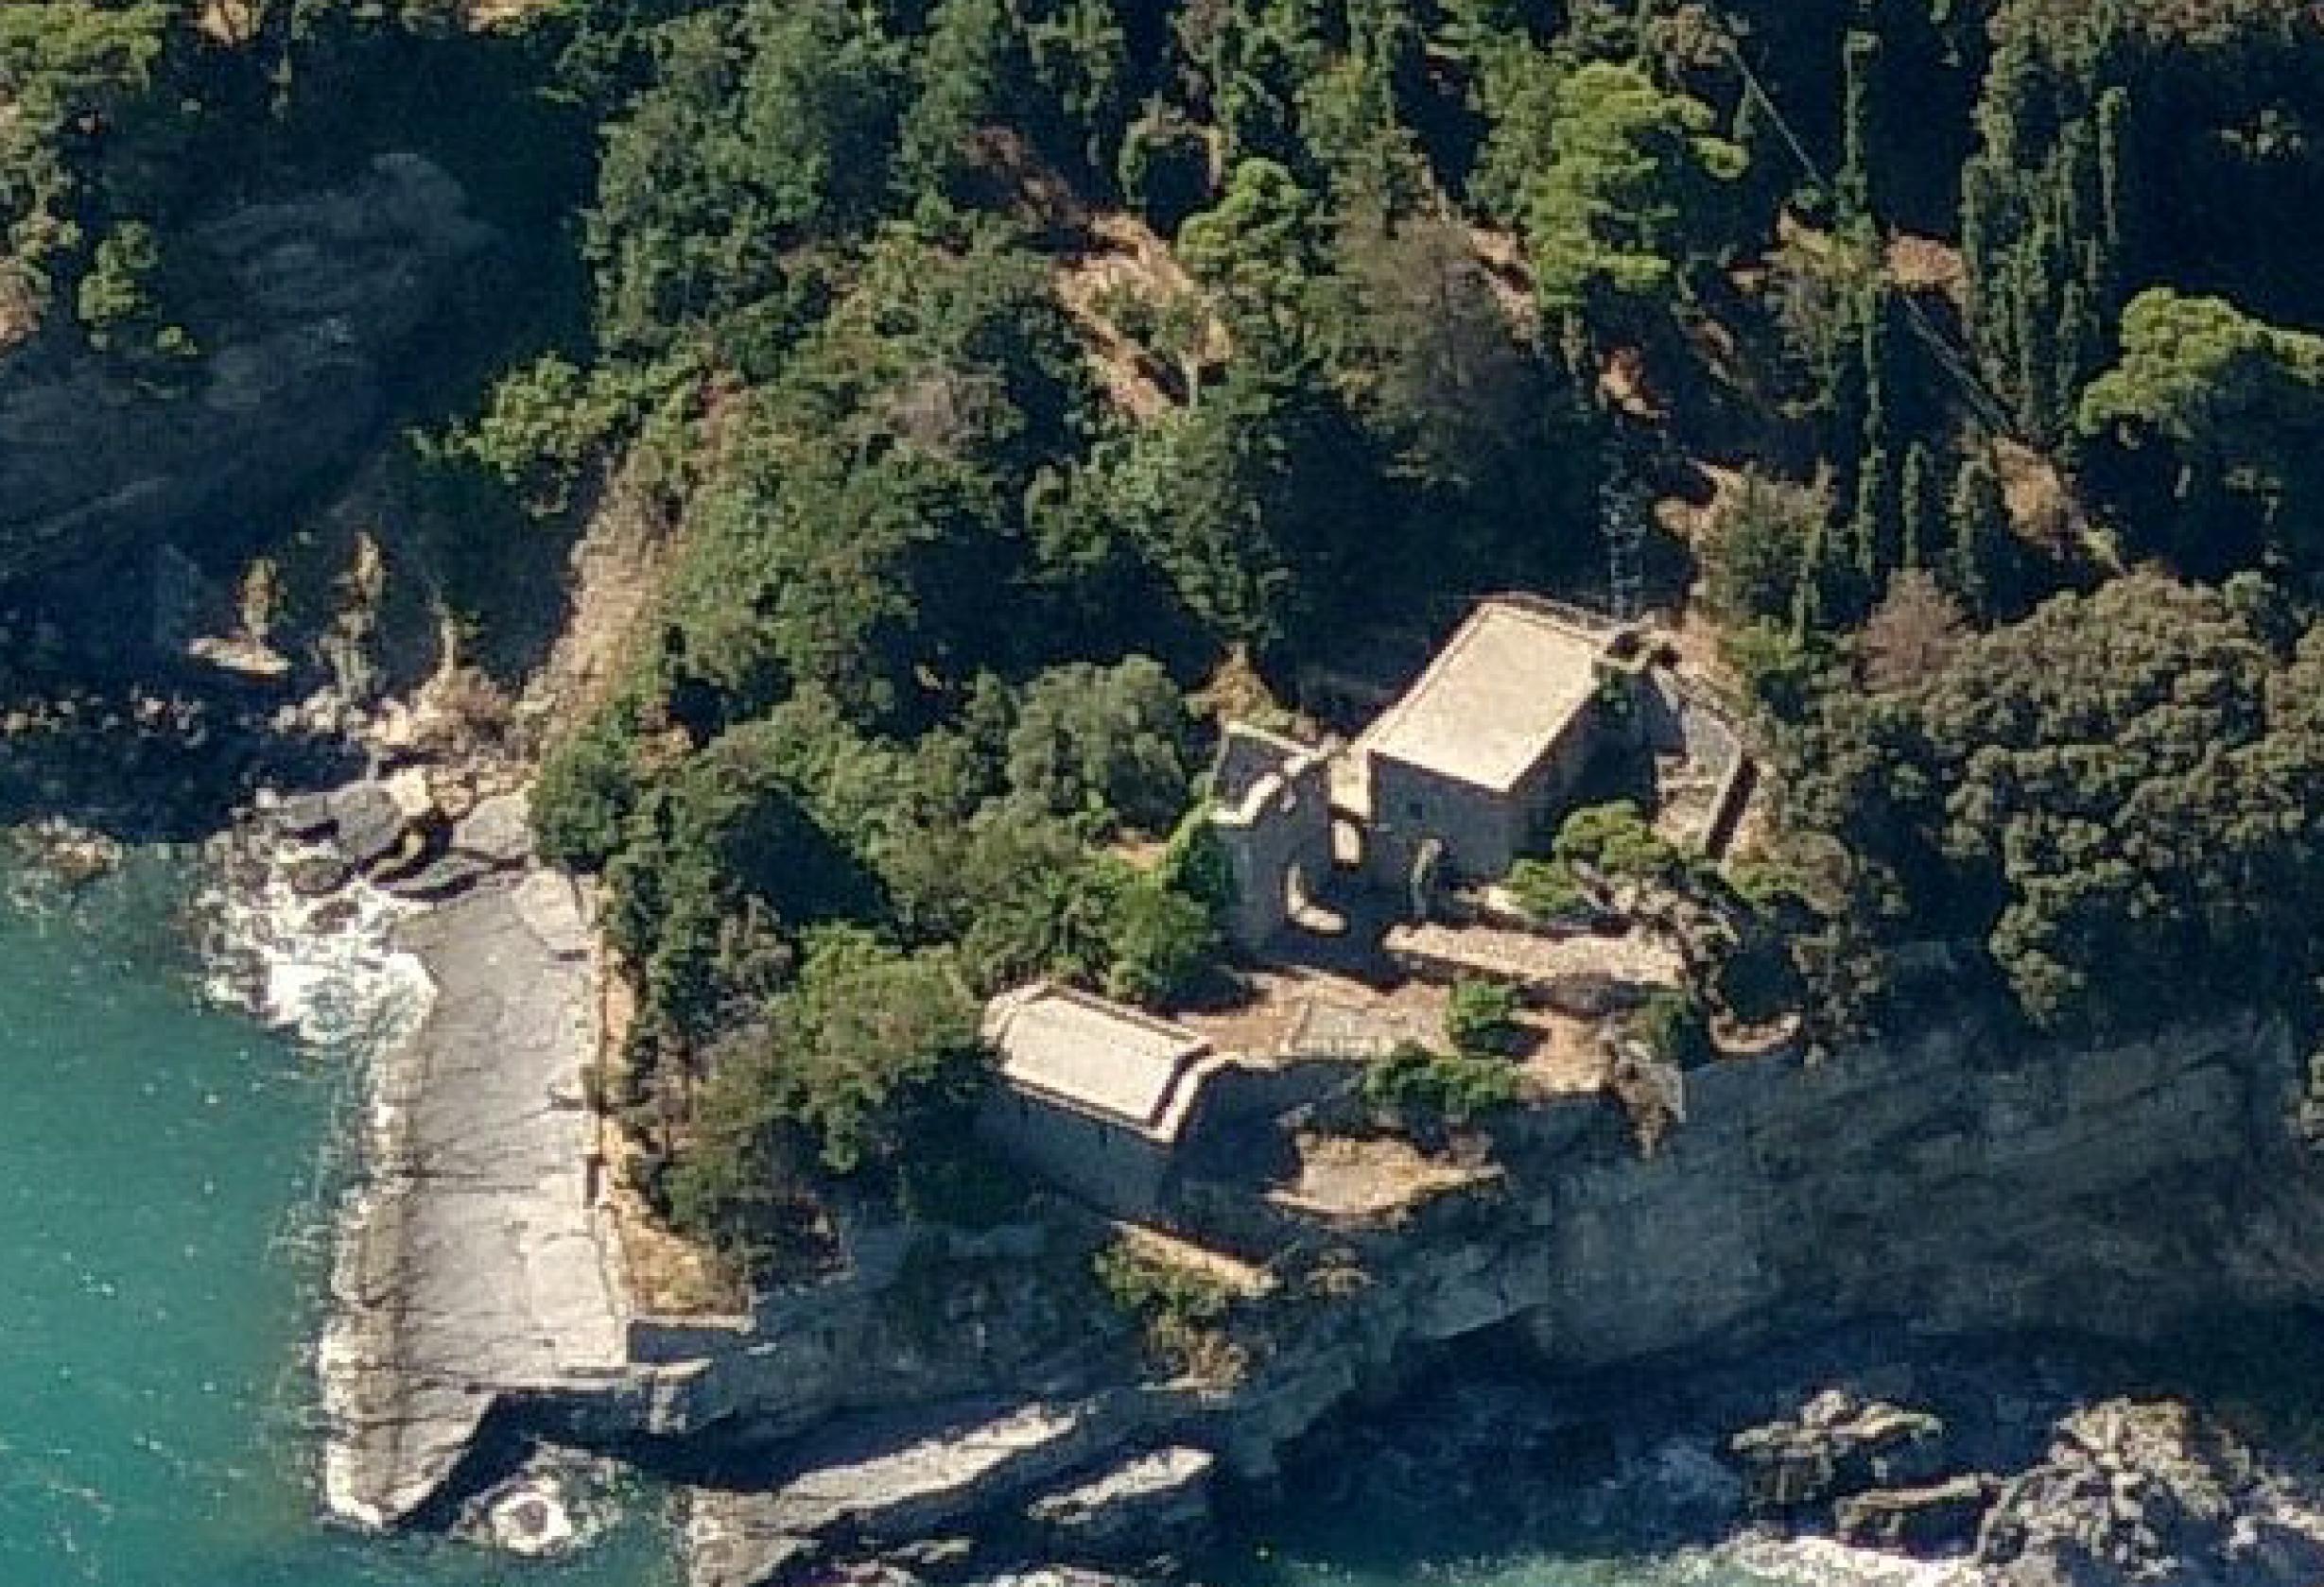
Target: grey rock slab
point(492, 1277)
point(1148, 1503)
point(308, 816)
point(729, 1542)
point(551, 908)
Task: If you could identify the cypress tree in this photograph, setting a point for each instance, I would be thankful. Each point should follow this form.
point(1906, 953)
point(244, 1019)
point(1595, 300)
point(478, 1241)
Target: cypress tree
point(1872, 527)
point(1814, 573)
point(1979, 565)
point(1919, 519)
point(2077, 344)
point(1855, 180)
point(2113, 132)
point(2034, 330)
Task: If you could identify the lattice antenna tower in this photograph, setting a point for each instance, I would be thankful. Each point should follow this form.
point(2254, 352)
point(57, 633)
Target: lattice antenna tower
point(1622, 514)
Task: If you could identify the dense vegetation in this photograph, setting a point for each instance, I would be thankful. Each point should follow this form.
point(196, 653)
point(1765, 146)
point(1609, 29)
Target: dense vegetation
point(1007, 370)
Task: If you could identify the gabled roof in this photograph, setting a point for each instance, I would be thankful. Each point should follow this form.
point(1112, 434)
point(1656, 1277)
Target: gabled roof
point(1497, 699)
point(1099, 1058)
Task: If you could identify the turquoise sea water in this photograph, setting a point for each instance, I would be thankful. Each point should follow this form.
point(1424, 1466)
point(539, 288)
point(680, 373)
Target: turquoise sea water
point(165, 1184)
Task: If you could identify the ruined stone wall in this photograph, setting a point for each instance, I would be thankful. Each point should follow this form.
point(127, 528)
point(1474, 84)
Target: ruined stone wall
point(1273, 822)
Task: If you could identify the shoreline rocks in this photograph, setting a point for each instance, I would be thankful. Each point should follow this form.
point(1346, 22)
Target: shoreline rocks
point(472, 1266)
point(1837, 1447)
point(2145, 1491)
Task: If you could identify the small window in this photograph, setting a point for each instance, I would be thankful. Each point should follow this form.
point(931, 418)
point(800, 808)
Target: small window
point(1412, 809)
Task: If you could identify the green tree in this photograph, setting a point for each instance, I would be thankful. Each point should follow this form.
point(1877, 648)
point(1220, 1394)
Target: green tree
point(1259, 252)
point(1754, 560)
point(72, 72)
point(2231, 408)
point(2117, 795)
point(1108, 745)
point(1981, 564)
point(1624, 199)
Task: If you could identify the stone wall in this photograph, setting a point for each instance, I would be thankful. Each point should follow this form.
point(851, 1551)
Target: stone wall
point(1272, 820)
point(1105, 1163)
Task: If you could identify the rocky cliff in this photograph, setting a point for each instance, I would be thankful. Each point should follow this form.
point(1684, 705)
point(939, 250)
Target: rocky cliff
point(1956, 1183)
point(316, 298)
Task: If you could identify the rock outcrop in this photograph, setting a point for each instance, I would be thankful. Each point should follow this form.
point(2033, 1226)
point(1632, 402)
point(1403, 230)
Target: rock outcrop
point(321, 293)
point(1958, 1184)
point(1938, 1518)
point(1149, 1505)
point(472, 1270)
point(1836, 1447)
point(2153, 1491)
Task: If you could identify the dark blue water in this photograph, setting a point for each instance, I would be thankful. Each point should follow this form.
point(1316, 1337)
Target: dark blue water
point(165, 1184)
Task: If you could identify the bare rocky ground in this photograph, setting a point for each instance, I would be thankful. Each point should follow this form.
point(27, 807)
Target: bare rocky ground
point(473, 1268)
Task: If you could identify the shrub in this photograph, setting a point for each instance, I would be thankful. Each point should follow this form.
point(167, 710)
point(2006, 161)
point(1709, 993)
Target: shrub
point(587, 787)
point(1615, 840)
point(1425, 1086)
point(1162, 944)
point(1547, 890)
point(1181, 1310)
point(1481, 1020)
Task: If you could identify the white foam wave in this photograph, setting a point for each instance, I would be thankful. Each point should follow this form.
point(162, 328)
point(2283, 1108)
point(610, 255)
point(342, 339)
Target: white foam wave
point(323, 968)
point(1812, 1562)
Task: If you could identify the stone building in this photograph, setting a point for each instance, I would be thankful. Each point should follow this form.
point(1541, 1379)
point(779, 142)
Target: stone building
point(1477, 754)
point(1095, 1096)
point(1447, 786)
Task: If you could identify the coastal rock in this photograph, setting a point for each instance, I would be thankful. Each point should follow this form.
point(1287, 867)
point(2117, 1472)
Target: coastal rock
point(2153, 1491)
point(1837, 1446)
point(368, 824)
point(475, 1273)
point(1795, 1198)
point(447, 876)
point(1158, 1502)
point(308, 816)
point(498, 832)
point(322, 292)
point(1940, 1518)
point(319, 875)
